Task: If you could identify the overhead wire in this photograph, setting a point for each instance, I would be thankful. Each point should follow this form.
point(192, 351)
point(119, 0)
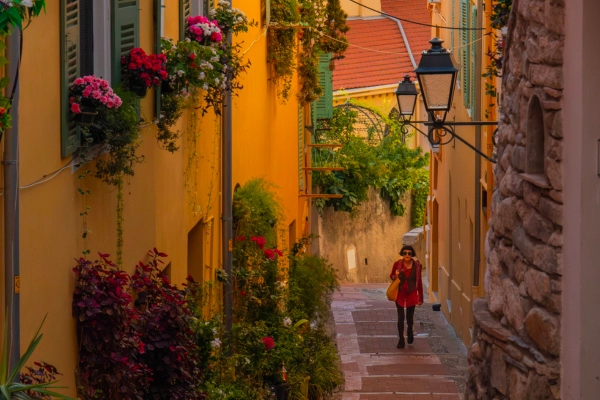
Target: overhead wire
point(415, 22)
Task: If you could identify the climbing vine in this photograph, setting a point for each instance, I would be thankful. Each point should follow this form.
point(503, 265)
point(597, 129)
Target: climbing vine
point(389, 166)
point(320, 26)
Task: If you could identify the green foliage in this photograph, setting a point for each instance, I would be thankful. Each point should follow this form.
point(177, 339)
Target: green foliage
point(500, 13)
point(11, 388)
point(312, 281)
point(19, 15)
point(389, 166)
point(256, 210)
point(281, 50)
point(419, 196)
point(118, 130)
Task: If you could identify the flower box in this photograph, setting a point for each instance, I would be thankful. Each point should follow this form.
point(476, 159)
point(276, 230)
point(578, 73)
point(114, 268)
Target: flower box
point(88, 96)
point(86, 116)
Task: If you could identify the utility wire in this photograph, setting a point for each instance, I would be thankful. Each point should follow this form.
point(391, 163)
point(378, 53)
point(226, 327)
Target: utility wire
point(417, 23)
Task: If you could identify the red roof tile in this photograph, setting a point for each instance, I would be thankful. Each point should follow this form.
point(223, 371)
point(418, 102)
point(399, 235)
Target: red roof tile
point(364, 68)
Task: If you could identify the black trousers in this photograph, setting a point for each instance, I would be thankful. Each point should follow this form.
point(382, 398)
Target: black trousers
point(410, 314)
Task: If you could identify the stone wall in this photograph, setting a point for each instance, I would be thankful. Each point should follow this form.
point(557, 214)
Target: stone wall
point(372, 237)
point(516, 341)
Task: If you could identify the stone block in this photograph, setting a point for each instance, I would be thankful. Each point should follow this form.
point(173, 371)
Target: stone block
point(519, 158)
point(556, 196)
point(551, 210)
point(506, 217)
point(548, 259)
point(544, 329)
point(475, 351)
point(493, 264)
point(531, 194)
point(552, 105)
point(536, 225)
point(556, 286)
point(536, 11)
point(556, 239)
point(537, 387)
point(498, 377)
point(554, 17)
point(495, 296)
point(556, 94)
point(557, 126)
point(519, 270)
point(511, 184)
point(538, 285)
point(554, 148)
point(554, 173)
point(545, 75)
point(524, 243)
point(517, 382)
point(513, 309)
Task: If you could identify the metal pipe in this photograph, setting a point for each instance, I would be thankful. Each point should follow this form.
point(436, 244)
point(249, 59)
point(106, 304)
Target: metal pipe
point(227, 212)
point(11, 206)
point(477, 177)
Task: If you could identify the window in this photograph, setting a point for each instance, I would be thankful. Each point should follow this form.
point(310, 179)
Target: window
point(463, 50)
point(185, 10)
point(473, 55)
point(93, 41)
point(200, 250)
point(301, 180)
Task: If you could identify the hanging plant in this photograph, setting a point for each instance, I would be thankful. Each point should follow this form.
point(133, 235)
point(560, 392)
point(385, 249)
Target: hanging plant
point(89, 95)
point(500, 13)
point(19, 13)
point(143, 70)
point(281, 53)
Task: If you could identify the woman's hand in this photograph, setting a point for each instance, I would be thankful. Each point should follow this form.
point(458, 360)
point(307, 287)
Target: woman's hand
point(397, 274)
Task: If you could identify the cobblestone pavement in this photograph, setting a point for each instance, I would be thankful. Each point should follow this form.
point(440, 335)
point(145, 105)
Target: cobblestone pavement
point(433, 367)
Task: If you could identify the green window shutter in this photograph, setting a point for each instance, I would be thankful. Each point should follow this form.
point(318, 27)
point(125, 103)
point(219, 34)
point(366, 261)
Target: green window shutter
point(70, 70)
point(473, 58)
point(464, 52)
point(323, 107)
point(301, 147)
point(157, 45)
point(185, 10)
point(210, 4)
point(125, 33)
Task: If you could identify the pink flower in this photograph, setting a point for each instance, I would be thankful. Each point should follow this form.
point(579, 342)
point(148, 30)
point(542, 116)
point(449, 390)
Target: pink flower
point(103, 99)
point(75, 108)
point(268, 342)
point(96, 94)
point(105, 85)
point(86, 93)
point(88, 78)
point(79, 81)
point(110, 103)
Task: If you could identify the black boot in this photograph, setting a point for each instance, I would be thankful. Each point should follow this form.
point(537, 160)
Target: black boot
point(400, 343)
point(411, 338)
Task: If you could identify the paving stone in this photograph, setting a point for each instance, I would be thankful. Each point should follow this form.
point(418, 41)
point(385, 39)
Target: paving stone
point(433, 367)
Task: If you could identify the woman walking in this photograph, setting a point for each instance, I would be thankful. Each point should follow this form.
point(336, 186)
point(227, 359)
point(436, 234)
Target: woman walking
point(410, 291)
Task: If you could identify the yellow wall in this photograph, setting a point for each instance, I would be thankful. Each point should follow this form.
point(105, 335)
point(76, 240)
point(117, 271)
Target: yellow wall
point(356, 11)
point(158, 199)
point(451, 208)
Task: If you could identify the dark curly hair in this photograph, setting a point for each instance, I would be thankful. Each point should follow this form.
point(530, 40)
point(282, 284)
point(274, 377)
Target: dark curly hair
point(407, 247)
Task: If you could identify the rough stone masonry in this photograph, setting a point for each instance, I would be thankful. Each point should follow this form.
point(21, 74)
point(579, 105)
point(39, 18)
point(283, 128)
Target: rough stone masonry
point(515, 351)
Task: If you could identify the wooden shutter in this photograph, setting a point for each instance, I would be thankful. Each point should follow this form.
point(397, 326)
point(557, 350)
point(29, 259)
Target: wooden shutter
point(70, 70)
point(301, 147)
point(473, 55)
point(185, 10)
point(125, 33)
point(157, 45)
point(464, 52)
point(323, 107)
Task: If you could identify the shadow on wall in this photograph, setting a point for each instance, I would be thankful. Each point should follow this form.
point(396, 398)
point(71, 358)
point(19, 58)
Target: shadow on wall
point(363, 247)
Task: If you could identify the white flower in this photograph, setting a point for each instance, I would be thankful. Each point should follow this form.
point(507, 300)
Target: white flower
point(215, 343)
point(287, 321)
point(27, 3)
point(215, 331)
point(205, 86)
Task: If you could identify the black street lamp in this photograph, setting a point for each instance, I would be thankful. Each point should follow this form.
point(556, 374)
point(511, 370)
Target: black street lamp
point(406, 94)
point(437, 78)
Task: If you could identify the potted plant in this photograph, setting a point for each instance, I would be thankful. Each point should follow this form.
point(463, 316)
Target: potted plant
point(499, 15)
point(201, 30)
point(87, 95)
point(144, 70)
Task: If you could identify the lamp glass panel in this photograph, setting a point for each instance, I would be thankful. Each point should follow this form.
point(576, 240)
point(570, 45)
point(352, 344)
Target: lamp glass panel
point(436, 89)
point(407, 104)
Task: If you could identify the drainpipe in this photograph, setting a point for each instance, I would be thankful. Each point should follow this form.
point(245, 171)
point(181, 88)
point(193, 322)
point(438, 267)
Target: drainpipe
point(227, 218)
point(477, 177)
point(11, 205)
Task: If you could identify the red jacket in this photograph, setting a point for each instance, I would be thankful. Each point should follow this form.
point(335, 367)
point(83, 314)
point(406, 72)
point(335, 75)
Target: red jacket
point(406, 299)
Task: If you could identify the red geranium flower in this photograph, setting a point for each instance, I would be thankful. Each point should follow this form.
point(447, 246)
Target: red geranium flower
point(270, 254)
point(259, 240)
point(268, 342)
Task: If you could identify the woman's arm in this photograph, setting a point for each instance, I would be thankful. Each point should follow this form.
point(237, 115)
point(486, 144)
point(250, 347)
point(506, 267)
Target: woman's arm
point(393, 274)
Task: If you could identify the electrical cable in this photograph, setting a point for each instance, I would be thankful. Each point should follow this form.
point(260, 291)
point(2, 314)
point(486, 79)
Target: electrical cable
point(417, 23)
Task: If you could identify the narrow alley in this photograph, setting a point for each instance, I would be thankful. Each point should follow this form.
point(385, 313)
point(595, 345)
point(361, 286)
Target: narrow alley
point(433, 367)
